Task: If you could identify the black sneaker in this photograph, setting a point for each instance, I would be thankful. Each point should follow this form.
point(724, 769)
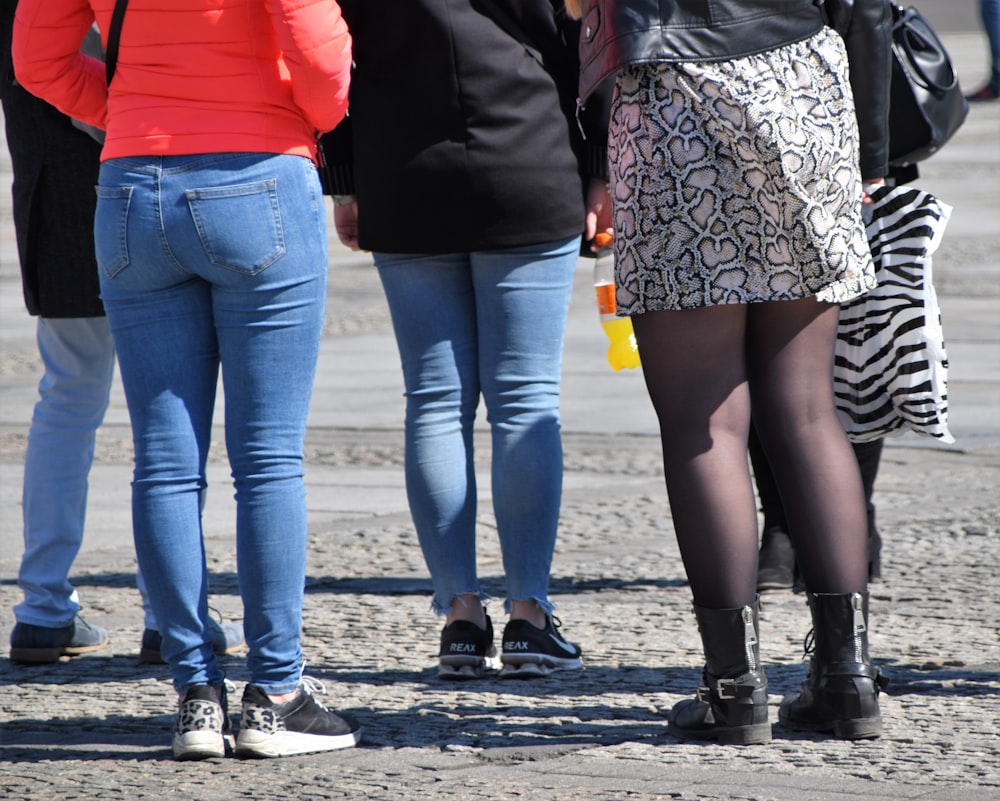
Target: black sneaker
point(227, 638)
point(40, 645)
point(529, 651)
point(467, 651)
point(203, 729)
point(300, 726)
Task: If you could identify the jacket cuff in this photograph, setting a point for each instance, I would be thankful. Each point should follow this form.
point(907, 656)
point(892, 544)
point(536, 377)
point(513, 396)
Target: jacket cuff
point(596, 162)
point(340, 178)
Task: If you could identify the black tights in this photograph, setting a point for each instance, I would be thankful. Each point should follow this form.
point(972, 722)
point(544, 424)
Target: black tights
point(705, 370)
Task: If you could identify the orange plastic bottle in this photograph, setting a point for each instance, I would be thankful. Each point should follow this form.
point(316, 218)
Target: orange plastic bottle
point(622, 350)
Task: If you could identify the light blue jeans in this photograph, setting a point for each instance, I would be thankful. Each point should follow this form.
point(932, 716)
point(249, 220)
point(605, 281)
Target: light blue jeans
point(990, 12)
point(207, 261)
point(491, 324)
point(79, 360)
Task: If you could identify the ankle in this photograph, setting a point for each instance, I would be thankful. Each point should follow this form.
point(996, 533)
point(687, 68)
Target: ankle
point(467, 607)
point(529, 611)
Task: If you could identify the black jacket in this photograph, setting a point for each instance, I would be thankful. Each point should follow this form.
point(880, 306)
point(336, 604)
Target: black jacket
point(457, 138)
point(620, 32)
point(55, 170)
point(866, 26)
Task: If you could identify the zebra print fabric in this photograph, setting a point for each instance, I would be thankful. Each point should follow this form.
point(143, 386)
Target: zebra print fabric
point(890, 370)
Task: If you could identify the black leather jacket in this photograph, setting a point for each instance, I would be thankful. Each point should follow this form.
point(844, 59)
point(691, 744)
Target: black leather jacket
point(616, 33)
point(866, 26)
point(620, 32)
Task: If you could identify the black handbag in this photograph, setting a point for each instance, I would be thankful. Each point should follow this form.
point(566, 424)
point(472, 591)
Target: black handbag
point(926, 105)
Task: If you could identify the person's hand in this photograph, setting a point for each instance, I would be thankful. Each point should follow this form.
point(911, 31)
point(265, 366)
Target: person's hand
point(345, 220)
point(598, 217)
point(867, 187)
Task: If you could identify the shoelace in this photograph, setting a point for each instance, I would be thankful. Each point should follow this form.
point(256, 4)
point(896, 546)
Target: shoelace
point(313, 686)
point(809, 644)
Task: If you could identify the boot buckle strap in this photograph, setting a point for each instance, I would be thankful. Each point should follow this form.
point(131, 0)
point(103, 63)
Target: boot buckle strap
point(860, 669)
point(731, 689)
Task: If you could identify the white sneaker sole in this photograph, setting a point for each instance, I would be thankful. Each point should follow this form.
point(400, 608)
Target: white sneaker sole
point(525, 666)
point(463, 668)
point(254, 743)
point(199, 745)
point(466, 672)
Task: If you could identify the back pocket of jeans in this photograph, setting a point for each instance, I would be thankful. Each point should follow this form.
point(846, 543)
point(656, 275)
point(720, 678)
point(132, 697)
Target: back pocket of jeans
point(240, 225)
point(111, 228)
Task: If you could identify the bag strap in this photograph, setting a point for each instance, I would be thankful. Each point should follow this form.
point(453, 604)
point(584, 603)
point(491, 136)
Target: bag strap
point(909, 27)
point(114, 34)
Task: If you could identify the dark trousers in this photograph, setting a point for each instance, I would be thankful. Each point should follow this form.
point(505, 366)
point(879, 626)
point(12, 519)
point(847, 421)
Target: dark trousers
point(868, 455)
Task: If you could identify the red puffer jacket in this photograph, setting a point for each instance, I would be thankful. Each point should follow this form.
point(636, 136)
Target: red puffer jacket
point(193, 76)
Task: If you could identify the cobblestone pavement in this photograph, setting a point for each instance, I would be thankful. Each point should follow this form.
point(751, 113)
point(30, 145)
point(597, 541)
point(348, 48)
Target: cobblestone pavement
point(98, 726)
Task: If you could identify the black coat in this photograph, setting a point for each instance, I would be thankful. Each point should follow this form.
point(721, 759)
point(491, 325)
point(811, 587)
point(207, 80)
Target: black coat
point(55, 171)
point(457, 138)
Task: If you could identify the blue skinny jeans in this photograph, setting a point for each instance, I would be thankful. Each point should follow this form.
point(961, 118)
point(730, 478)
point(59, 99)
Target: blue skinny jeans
point(217, 261)
point(487, 324)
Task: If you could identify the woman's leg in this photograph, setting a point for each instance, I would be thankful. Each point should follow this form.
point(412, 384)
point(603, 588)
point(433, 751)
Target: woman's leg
point(790, 358)
point(694, 365)
point(776, 559)
point(268, 296)
point(990, 13)
point(790, 354)
point(79, 360)
point(522, 300)
point(433, 307)
point(160, 318)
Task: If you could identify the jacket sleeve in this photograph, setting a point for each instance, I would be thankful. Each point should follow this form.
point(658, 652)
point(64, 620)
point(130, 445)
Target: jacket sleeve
point(49, 64)
point(338, 151)
point(868, 39)
point(316, 49)
point(592, 116)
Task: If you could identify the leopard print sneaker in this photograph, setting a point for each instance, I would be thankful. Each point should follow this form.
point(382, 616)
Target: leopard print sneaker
point(302, 725)
point(203, 729)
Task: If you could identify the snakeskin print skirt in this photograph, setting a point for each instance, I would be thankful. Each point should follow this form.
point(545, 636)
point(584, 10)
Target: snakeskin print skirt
point(738, 181)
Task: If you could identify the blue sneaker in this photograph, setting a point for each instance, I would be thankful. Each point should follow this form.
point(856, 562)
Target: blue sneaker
point(227, 638)
point(41, 645)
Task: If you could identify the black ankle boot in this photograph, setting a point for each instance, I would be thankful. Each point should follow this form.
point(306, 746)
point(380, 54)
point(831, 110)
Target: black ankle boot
point(840, 694)
point(731, 705)
point(776, 560)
